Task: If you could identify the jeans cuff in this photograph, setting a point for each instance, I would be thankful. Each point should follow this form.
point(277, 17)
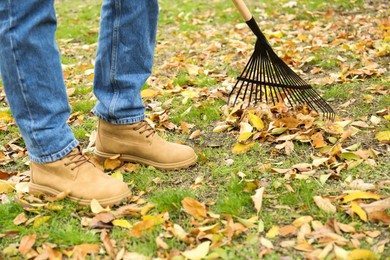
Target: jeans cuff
point(123, 121)
point(55, 156)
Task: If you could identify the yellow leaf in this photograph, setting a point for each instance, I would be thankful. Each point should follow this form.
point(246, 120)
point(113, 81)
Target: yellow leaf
point(148, 207)
point(149, 93)
point(256, 121)
point(199, 252)
point(40, 220)
point(244, 136)
point(273, 232)
point(5, 117)
point(383, 136)
point(359, 211)
point(121, 223)
point(6, 187)
point(156, 219)
point(387, 117)
point(194, 208)
point(239, 148)
point(360, 195)
point(358, 254)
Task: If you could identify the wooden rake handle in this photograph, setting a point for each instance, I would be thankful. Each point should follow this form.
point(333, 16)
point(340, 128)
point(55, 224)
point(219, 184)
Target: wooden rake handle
point(249, 19)
point(243, 9)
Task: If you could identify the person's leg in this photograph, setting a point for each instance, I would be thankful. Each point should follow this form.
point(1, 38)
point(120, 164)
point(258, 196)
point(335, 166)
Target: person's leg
point(33, 80)
point(124, 58)
point(123, 64)
point(32, 75)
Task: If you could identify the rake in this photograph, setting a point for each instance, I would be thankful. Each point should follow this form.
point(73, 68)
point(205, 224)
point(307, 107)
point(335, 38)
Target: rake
point(267, 78)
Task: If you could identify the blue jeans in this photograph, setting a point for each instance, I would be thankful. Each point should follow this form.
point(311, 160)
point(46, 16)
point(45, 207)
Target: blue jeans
point(33, 80)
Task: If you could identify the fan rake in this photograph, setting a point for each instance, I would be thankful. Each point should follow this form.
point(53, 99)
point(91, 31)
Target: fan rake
point(267, 78)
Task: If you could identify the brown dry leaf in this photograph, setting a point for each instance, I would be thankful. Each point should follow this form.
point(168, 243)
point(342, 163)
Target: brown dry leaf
point(111, 164)
point(324, 204)
point(140, 227)
point(195, 134)
point(20, 219)
point(27, 243)
point(258, 199)
point(102, 220)
point(180, 233)
point(105, 238)
point(380, 205)
point(288, 231)
point(161, 244)
point(379, 216)
point(194, 208)
point(81, 251)
point(302, 220)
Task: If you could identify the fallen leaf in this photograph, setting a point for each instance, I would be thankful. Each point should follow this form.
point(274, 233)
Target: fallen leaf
point(380, 205)
point(258, 199)
point(383, 137)
point(6, 187)
point(161, 244)
point(121, 223)
point(359, 211)
point(360, 254)
point(194, 208)
point(97, 208)
point(27, 243)
point(256, 121)
point(239, 148)
point(199, 252)
point(20, 219)
point(265, 242)
point(195, 134)
point(302, 220)
point(324, 204)
point(272, 232)
point(360, 195)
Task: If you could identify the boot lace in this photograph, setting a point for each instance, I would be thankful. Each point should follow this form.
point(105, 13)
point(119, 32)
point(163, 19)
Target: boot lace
point(76, 158)
point(144, 127)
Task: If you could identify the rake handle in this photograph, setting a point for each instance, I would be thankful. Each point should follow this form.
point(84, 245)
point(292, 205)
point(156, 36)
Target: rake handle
point(249, 19)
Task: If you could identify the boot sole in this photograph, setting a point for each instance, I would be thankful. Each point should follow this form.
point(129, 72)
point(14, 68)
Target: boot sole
point(101, 156)
point(38, 189)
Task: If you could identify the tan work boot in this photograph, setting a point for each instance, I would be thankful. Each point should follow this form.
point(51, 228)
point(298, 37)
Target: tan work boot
point(139, 143)
point(77, 175)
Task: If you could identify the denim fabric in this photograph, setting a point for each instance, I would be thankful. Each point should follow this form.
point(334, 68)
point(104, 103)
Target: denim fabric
point(124, 58)
point(33, 80)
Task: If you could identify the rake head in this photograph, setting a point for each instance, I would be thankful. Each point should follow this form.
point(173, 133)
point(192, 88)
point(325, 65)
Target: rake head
point(266, 78)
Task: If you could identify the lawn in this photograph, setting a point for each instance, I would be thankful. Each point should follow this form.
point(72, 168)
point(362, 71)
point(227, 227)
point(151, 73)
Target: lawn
point(271, 181)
